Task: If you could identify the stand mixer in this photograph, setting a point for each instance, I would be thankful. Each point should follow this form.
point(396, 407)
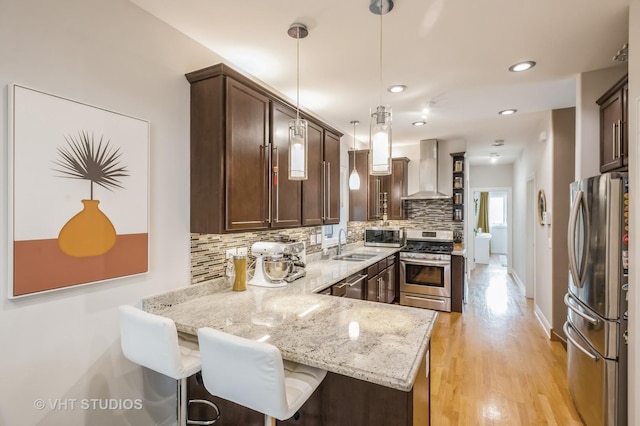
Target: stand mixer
point(277, 263)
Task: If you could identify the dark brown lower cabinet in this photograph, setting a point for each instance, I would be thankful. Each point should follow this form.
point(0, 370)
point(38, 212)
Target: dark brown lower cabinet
point(338, 401)
point(457, 283)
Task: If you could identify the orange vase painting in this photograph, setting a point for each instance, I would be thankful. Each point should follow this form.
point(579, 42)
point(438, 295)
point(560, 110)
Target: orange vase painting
point(90, 232)
point(90, 167)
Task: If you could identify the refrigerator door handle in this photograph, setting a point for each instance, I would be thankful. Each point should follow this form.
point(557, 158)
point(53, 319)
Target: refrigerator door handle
point(589, 319)
point(588, 353)
point(578, 275)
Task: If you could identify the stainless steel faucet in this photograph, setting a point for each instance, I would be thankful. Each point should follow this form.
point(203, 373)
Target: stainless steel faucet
point(340, 240)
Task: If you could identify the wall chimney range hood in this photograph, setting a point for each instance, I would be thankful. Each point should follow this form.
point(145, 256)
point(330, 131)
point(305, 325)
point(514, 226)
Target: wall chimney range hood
point(428, 173)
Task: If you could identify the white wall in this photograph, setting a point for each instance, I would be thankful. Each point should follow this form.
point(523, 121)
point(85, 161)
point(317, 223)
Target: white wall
point(65, 345)
point(634, 169)
point(589, 87)
point(493, 176)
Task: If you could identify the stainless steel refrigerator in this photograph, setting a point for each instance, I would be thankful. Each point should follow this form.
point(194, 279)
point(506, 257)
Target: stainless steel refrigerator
point(596, 327)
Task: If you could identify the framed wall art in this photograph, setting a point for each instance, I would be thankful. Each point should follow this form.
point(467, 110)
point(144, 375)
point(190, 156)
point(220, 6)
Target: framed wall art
point(78, 193)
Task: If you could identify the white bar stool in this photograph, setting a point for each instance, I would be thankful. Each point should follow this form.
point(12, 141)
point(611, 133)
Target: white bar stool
point(152, 341)
point(253, 374)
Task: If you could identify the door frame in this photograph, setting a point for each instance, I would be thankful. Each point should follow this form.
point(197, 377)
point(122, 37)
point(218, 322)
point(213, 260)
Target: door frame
point(508, 190)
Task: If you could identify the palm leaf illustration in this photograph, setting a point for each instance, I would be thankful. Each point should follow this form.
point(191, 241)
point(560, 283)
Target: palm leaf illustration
point(82, 159)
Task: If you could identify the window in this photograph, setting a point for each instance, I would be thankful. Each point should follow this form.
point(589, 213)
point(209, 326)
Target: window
point(497, 208)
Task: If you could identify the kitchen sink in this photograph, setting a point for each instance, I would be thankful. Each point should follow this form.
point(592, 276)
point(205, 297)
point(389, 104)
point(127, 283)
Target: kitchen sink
point(354, 257)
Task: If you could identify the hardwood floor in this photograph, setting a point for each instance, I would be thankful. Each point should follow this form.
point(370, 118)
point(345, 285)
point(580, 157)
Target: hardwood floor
point(493, 364)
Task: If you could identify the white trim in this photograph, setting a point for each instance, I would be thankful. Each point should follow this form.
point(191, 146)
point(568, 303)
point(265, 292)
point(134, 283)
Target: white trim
point(546, 325)
point(518, 282)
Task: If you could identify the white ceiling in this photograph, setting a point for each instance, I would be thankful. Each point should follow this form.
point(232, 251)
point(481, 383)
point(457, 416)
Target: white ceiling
point(453, 55)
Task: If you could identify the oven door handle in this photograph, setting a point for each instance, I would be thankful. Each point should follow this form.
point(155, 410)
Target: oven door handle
point(425, 262)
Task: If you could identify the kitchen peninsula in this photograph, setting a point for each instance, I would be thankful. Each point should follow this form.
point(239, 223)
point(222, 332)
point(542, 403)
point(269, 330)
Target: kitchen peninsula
point(377, 355)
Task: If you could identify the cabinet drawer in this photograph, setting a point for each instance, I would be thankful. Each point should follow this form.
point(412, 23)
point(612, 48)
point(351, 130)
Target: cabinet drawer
point(372, 271)
point(391, 260)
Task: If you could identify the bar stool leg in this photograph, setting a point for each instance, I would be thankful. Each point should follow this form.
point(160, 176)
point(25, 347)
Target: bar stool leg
point(182, 402)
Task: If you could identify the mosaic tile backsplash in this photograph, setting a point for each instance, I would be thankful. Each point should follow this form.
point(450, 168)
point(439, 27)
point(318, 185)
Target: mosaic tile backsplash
point(208, 250)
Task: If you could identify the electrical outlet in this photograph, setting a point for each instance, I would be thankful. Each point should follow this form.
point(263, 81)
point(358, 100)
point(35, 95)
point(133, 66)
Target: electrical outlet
point(312, 239)
point(240, 251)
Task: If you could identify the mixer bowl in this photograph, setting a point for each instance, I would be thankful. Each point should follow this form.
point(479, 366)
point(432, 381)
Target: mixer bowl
point(276, 270)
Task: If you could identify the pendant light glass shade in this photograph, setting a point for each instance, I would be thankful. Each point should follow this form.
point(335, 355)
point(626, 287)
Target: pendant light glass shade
point(298, 151)
point(354, 177)
point(380, 129)
point(380, 136)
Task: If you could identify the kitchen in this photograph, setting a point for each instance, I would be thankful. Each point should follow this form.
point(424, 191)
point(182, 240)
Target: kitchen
point(139, 68)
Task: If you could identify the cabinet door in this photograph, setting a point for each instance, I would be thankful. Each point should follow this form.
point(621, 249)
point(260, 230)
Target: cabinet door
point(286, 195)
point(247, 158)
point(610, 131)
point(373, 284)
point(397, 189)
point(312, 188)
point(358, 201)
point(332, 178)
point(374, 212)
point(389, 287)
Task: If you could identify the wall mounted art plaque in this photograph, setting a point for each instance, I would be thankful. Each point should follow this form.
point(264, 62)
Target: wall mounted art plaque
point(78, 193)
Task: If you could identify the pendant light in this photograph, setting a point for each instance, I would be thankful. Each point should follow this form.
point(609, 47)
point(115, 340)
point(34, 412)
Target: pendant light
point(380, 127)
point(354, 177)
point(298, 151)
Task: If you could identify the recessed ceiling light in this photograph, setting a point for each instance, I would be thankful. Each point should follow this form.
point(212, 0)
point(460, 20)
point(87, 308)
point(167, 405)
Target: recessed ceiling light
point(397, 88)
point(499, 142)
point(522, 66)
point(494, 156)
point(419, 123)
point(507, 111)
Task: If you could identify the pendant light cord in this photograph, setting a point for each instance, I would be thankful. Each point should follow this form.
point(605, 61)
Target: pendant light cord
point(298, 74)
point(380, 91)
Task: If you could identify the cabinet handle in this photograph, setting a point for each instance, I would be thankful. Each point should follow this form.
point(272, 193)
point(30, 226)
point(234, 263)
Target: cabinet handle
point(328, 194)
point(619, 139)
point(277, 218)
point(380, 291)
point(378, 197)
point(267, 161)
point(613, 142)
point(324, 189)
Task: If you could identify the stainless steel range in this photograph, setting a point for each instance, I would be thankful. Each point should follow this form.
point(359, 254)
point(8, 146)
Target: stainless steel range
point(425, 270)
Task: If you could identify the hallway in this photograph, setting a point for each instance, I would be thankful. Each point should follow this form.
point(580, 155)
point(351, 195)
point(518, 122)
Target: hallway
point(493, 364)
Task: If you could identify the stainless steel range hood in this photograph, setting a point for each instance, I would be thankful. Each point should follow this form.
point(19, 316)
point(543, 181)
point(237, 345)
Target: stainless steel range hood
point(428, 173)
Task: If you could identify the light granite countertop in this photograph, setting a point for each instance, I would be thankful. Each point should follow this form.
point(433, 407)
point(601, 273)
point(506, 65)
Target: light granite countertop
point(375, 342)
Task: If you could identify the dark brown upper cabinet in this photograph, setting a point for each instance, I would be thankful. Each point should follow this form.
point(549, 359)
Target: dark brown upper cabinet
point(614, 139)
point(358, 198)
point(239, 156)
point(286, 195)
point(368, 202)
point(321, 191)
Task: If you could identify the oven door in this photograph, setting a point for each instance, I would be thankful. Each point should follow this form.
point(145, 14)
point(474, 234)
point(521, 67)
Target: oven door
point(430, 277)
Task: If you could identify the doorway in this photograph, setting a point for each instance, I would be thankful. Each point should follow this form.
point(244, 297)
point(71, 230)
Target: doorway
point(491, 225)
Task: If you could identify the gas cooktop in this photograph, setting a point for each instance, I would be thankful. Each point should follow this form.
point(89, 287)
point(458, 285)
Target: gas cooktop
point(428, 241)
